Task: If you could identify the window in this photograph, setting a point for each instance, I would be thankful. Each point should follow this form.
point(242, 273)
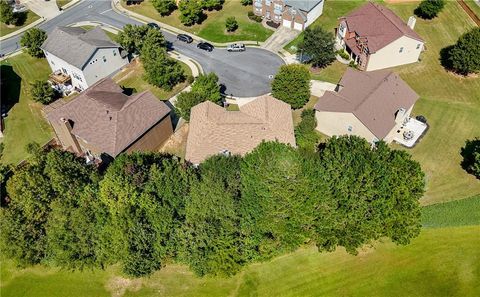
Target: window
point(418, 46)
point(278, 7)
point(64, 71)
point(401, 50)
point(349, 128)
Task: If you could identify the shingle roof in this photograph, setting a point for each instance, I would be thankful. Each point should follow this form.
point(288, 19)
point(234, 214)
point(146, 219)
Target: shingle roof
point(379, 24)
point(213, 128)
point(76, 45)
point(373, 97)
point(110, 120)
point(305, 5)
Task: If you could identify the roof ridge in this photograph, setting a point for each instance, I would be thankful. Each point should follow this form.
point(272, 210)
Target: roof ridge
point(396, 26)
point(383, 14)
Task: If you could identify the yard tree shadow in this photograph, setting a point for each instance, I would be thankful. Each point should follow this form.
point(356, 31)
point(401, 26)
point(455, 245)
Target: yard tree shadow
point(471, 147)
point(444, 58)
point(10, 90)
point(20, 18)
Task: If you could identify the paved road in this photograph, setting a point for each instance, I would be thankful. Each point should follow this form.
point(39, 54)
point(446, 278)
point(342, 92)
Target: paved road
point(244, 74)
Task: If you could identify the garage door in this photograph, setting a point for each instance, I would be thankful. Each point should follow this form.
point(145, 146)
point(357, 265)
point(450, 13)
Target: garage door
point(287, 23)
point(298, 26)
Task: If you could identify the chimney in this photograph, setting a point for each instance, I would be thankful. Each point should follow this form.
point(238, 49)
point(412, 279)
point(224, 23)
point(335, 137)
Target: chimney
point(411, 22)
point(399, 117)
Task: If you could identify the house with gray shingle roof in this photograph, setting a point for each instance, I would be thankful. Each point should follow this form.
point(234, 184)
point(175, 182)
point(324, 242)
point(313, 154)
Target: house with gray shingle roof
point(84, 56)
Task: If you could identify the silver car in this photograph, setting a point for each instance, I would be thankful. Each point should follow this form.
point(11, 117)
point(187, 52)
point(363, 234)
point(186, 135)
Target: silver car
point(236, 47)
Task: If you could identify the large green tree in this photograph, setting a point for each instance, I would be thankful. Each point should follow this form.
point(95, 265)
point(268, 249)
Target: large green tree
point(292, 85)
point(464, 56)
point(429, 9)
point(7, 16)
point(164, 7)
point(191, 12)
point(317, 47)
point(32, 39)
point(132, 38)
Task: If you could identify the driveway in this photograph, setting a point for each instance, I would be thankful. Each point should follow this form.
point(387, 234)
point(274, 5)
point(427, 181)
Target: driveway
point(46, 9)
point(243, 74)
point(279, 39)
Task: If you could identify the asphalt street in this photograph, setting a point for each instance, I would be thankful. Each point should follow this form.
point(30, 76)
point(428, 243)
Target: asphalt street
point(244, 74)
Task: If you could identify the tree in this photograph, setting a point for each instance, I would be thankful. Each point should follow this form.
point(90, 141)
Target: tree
point(204, 88)
point(33, 39)
point(212, 223)
point(429, 9)
point(305, 135)
point(292, 85)
point(317, 47)
point(246, 2)
point(212, 4)
point(132, 38)
point(42, 92)
point(231, 24)
point(7, 16)
point(191, 12)
point(164, 7)
point(471, 157)
point(464, 56)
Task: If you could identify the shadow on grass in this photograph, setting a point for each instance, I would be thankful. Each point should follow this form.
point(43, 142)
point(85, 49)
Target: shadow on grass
point(10, 90)
point(20, 18)
point(470, 152)
point(444, 58)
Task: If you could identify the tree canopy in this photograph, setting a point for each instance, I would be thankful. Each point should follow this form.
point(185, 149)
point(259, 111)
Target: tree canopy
point(292, 85)
point(191, 12)
point(42, 92)
point(429, 9)
point(164, 7)
point(32, 39)
point(132, 38)
point(471, 156)
point(317, 47)
point(7, 16)
point(464, 56)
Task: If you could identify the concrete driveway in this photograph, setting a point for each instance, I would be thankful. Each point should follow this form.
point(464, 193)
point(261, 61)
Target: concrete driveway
point(46, 9)
point(279, 39)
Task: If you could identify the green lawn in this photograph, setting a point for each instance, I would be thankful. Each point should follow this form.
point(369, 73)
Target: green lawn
point(132, 77)
point(24, 123)
point(440, 262)
point(31, 17)
point(463, 212)
point(213, 28)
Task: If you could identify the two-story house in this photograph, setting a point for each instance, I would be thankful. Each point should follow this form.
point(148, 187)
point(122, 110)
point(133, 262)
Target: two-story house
point(84, 56)
point(294, 14)
point(376, 38)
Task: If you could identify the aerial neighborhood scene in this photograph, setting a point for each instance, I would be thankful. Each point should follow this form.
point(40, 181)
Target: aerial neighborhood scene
point(239, 148)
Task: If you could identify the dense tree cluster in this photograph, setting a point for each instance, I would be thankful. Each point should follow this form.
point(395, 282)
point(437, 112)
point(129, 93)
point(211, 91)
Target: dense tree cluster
point(132, 38)
point(191, 12)
point(292, 85)
point(317, 47)
point(204, 88)
point(33, 39)
point(464, 56)
point(147, 210)
point(164, 7)
point(429, 9)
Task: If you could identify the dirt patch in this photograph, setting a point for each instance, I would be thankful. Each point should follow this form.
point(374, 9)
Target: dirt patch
point(117, 286)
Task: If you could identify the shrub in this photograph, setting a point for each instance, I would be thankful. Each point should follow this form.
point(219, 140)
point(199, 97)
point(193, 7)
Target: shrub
point(32, 40)
point(464, 56)
point(471, 157)
point(164, 7)
point(429, 9)
point(212, 4)
point(292, 85)
point(42, 92)
point(254, 17)
point(231, 24)
point(343, 54)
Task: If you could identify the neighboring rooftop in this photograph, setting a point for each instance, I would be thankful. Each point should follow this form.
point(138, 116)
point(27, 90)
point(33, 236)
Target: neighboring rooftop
point(373, 97)
point(76, 45)
point(213, 129)
point(305, 5)
point(112, 121)
point(379, 25)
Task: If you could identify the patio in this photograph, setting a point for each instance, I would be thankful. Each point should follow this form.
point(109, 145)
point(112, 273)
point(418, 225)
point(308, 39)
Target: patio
point(410, 132)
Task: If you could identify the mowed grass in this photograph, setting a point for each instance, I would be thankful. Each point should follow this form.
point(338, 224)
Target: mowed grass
point(455, 213)
point(440, 262)
point(213, 27)
point(132, 76)
point(24, 123)
point(31, 17)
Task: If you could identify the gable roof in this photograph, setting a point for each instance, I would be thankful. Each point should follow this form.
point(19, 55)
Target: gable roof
point(108, 119)
point(379, 25)
point(76, 45)
point(213, 128)
point(305, 5)
point(373, 97)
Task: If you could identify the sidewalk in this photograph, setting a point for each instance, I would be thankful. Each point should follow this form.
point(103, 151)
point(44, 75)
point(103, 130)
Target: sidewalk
point(117, 7)
point(21, 30)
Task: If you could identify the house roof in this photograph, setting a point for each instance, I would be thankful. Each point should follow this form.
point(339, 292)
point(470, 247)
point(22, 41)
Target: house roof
point(373, 97)
point(213, 128)
point(379, 25)
point(305, 5)
point(76, 45)
point(108, 119)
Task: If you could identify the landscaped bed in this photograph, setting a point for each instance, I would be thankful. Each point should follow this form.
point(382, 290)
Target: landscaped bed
point(213, 28)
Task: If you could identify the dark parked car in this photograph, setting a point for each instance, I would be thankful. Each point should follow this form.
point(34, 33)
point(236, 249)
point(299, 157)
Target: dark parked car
point(205, 46)
point(154, 26)
point(184, 38)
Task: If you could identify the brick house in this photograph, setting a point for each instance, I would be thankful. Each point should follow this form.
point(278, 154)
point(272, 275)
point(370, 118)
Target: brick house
point(294, 14)
point(103, 120)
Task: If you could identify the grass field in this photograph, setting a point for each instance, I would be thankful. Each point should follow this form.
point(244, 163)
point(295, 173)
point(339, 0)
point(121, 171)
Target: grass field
point(24, 122)
point(213, 28)
point(132, 77)
point(463, 212)
point(440, 262)
point(31, 17)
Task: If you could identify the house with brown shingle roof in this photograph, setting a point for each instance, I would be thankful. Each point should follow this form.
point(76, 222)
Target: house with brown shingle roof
point(103, 120)
point(373, 105)
point(376, 38)
point(214, 130)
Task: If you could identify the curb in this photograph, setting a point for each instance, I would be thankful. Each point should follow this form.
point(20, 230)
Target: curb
point(21, 30)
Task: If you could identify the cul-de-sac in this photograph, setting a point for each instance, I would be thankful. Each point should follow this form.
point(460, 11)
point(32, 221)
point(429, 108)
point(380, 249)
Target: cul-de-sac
point(239, 148)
